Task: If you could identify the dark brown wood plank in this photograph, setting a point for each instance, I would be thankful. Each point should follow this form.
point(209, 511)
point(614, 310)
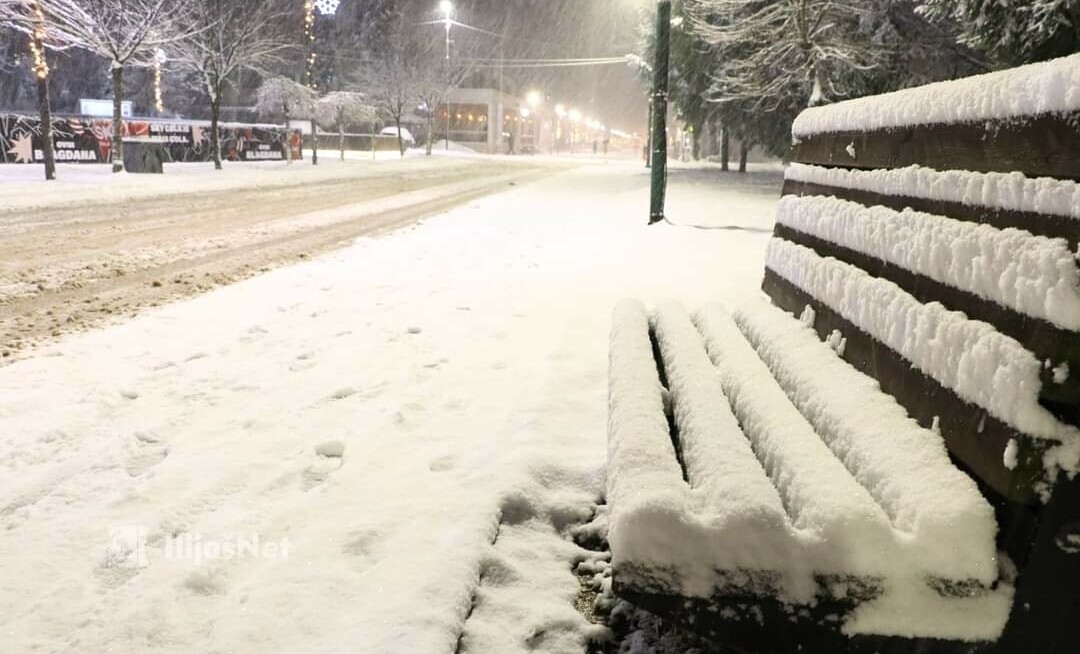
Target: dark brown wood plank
point(1037, 223)
point(971, 434)
point(1044, 339)
point(1046, 145)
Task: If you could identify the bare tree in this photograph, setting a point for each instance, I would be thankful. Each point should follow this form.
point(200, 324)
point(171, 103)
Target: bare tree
point(284, 97)
point(27, 16)
point(433, 81)
point(343, 107)
point(125, 32)
point(391, 84)
point(227, 37)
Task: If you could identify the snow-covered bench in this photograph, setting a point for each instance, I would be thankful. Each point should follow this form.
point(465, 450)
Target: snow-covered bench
point(882, 458)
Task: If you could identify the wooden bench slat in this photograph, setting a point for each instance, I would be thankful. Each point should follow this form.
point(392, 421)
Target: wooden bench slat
point(971, 434)
point(818, 489)
point(1038, 146)
point(1037, 223)
point(719, 462)
point(1045, 340)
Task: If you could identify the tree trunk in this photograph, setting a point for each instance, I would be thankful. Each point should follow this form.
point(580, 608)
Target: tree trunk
point(696, 144)
point(314, 143)
point(118, 118)
point(46, 126)
point(215, 133)
point(288, 138)
point(430, 128)
point(400, 140)
point(744, 154)
point(725, 149)
point(341, 137)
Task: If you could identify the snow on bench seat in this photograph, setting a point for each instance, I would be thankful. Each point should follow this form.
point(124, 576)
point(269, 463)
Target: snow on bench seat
point(665, 528)
point(783, 510)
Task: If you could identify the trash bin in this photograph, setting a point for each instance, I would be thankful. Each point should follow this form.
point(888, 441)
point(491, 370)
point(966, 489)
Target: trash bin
point(145, 155)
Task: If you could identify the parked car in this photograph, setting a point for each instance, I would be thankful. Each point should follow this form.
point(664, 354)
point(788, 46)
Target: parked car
point(406, 135)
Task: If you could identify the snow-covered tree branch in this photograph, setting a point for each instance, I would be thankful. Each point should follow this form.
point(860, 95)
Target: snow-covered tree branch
point(284, 97)
point(226, 37)
point(341, 108)
point(1013, 32)
point(124, 32)
point(774, 51)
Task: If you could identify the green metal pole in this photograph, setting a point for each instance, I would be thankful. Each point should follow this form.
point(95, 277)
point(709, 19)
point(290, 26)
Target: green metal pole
point(659, 111)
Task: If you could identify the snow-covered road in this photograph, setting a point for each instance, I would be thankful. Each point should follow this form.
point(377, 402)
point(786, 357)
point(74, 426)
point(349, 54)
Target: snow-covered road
point(460, 365)
point(73, 266)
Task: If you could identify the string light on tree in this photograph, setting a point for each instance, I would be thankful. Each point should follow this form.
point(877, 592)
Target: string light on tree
point(37, 43)
point(327, 7)
point(309, 38)
point(159, 60)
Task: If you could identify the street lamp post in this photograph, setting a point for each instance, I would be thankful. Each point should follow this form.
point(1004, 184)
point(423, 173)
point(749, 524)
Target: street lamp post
point(560, 114)
point(535, 99)
point(659, 111)
point(447, 8)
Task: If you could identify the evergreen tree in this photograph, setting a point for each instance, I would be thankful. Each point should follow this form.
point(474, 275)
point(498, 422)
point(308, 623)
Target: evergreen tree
point(1013, 31)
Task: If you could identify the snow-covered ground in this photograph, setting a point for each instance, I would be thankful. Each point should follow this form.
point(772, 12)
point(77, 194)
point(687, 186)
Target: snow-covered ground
point(408, 427)
point(23, 187)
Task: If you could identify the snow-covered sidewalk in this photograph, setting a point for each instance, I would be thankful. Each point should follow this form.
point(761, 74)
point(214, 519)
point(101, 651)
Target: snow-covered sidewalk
point(367, 416)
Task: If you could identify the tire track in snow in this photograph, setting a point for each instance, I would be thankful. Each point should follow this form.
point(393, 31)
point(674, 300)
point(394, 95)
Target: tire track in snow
point(91, 301)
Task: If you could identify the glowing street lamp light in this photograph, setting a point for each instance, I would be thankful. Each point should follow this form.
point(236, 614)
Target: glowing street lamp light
point(447, 8)
point(575, 115)
point(525, 113)
point(535, 98)
point(560, 111)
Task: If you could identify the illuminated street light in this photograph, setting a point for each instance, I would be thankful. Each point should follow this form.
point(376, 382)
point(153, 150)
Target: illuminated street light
point(447, 8)
point(560, 111)
point(535, 98)
point(575, 115)
point(525, 113)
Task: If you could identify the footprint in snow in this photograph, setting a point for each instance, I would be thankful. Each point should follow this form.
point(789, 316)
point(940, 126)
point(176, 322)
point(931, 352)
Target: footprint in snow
point(362, 544)
point(205, 581)
point(144, 453)
point(342, 393)
point(331, 457)
point(303, 361)
point(442, 464)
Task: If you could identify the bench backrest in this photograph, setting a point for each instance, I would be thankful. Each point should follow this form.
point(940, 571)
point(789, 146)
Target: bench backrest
point(936, 230)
